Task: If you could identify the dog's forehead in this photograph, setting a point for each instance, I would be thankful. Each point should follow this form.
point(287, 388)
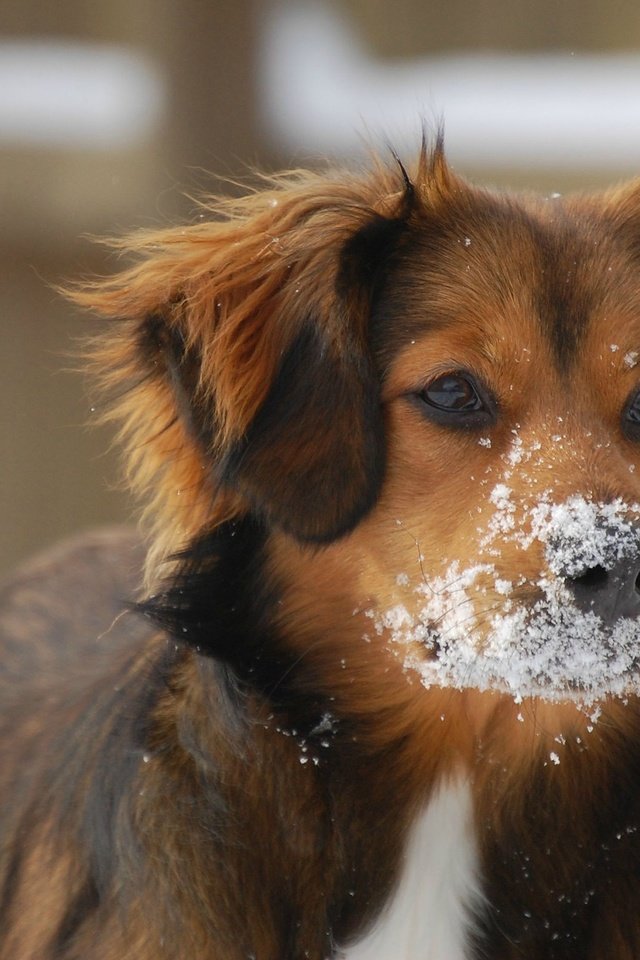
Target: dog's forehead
point(507, 270)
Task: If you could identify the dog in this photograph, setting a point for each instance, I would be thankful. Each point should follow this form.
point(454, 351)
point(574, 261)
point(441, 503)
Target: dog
point(378, 699)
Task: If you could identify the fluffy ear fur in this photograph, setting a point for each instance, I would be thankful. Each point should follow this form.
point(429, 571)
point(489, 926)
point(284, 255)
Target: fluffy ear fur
point(240, 359)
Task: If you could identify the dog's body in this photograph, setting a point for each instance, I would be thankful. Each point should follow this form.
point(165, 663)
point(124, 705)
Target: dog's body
point(383, 705)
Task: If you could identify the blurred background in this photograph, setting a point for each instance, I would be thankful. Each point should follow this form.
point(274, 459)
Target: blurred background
point(112, 114)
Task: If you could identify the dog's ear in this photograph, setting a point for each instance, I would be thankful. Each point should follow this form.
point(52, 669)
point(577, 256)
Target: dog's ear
point(241, 355)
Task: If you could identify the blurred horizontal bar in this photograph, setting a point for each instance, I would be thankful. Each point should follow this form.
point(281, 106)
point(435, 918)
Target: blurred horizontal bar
point(322, 92)
point(72, 95)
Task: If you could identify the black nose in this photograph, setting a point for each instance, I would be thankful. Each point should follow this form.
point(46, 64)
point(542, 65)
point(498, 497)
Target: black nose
point(610, 592)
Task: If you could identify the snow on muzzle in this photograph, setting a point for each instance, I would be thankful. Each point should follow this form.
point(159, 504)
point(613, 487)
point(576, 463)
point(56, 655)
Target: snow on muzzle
point(595, 548)
point(570, 633)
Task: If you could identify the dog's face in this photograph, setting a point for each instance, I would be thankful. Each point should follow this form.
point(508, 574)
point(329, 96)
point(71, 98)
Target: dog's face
point(505, 548)
point(503, 551)
point(431, 398)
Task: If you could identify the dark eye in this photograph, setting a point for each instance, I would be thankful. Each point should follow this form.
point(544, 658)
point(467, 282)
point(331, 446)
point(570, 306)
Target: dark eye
point(631, 417)
point(457, 400)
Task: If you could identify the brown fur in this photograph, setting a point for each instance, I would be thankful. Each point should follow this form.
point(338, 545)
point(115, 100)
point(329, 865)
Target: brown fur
point(238, 779)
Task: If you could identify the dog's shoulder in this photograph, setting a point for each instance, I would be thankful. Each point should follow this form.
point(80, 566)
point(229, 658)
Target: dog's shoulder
point(62, 602)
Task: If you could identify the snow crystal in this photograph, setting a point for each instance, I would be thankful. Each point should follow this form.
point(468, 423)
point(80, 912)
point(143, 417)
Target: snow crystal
point(500, 496)
point(516, 453)
point(396, 619)
point(326, 724)
point(503, 519)
point(631, 359)
point(503, 587)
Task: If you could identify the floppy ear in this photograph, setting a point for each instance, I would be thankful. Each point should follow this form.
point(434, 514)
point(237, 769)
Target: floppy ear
point(241, 355)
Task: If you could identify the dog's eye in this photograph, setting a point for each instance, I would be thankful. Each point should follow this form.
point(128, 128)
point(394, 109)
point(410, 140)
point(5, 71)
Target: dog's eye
point(452, 392)
point(455, 399)
point(631, 417)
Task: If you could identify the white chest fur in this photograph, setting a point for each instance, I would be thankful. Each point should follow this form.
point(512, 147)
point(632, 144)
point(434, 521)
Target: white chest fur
point(429, 915)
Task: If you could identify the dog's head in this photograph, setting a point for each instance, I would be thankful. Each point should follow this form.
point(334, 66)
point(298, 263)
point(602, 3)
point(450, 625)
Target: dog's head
point(428, 395)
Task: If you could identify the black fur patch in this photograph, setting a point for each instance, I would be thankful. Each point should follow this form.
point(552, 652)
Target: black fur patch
point(312, 461)
point(562, 300)
point(165, 351)
point(220, 605)
point(213, 603)
point(365, 256)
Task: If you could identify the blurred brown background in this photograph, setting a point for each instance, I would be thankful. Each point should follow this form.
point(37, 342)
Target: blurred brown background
point(204, 64)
